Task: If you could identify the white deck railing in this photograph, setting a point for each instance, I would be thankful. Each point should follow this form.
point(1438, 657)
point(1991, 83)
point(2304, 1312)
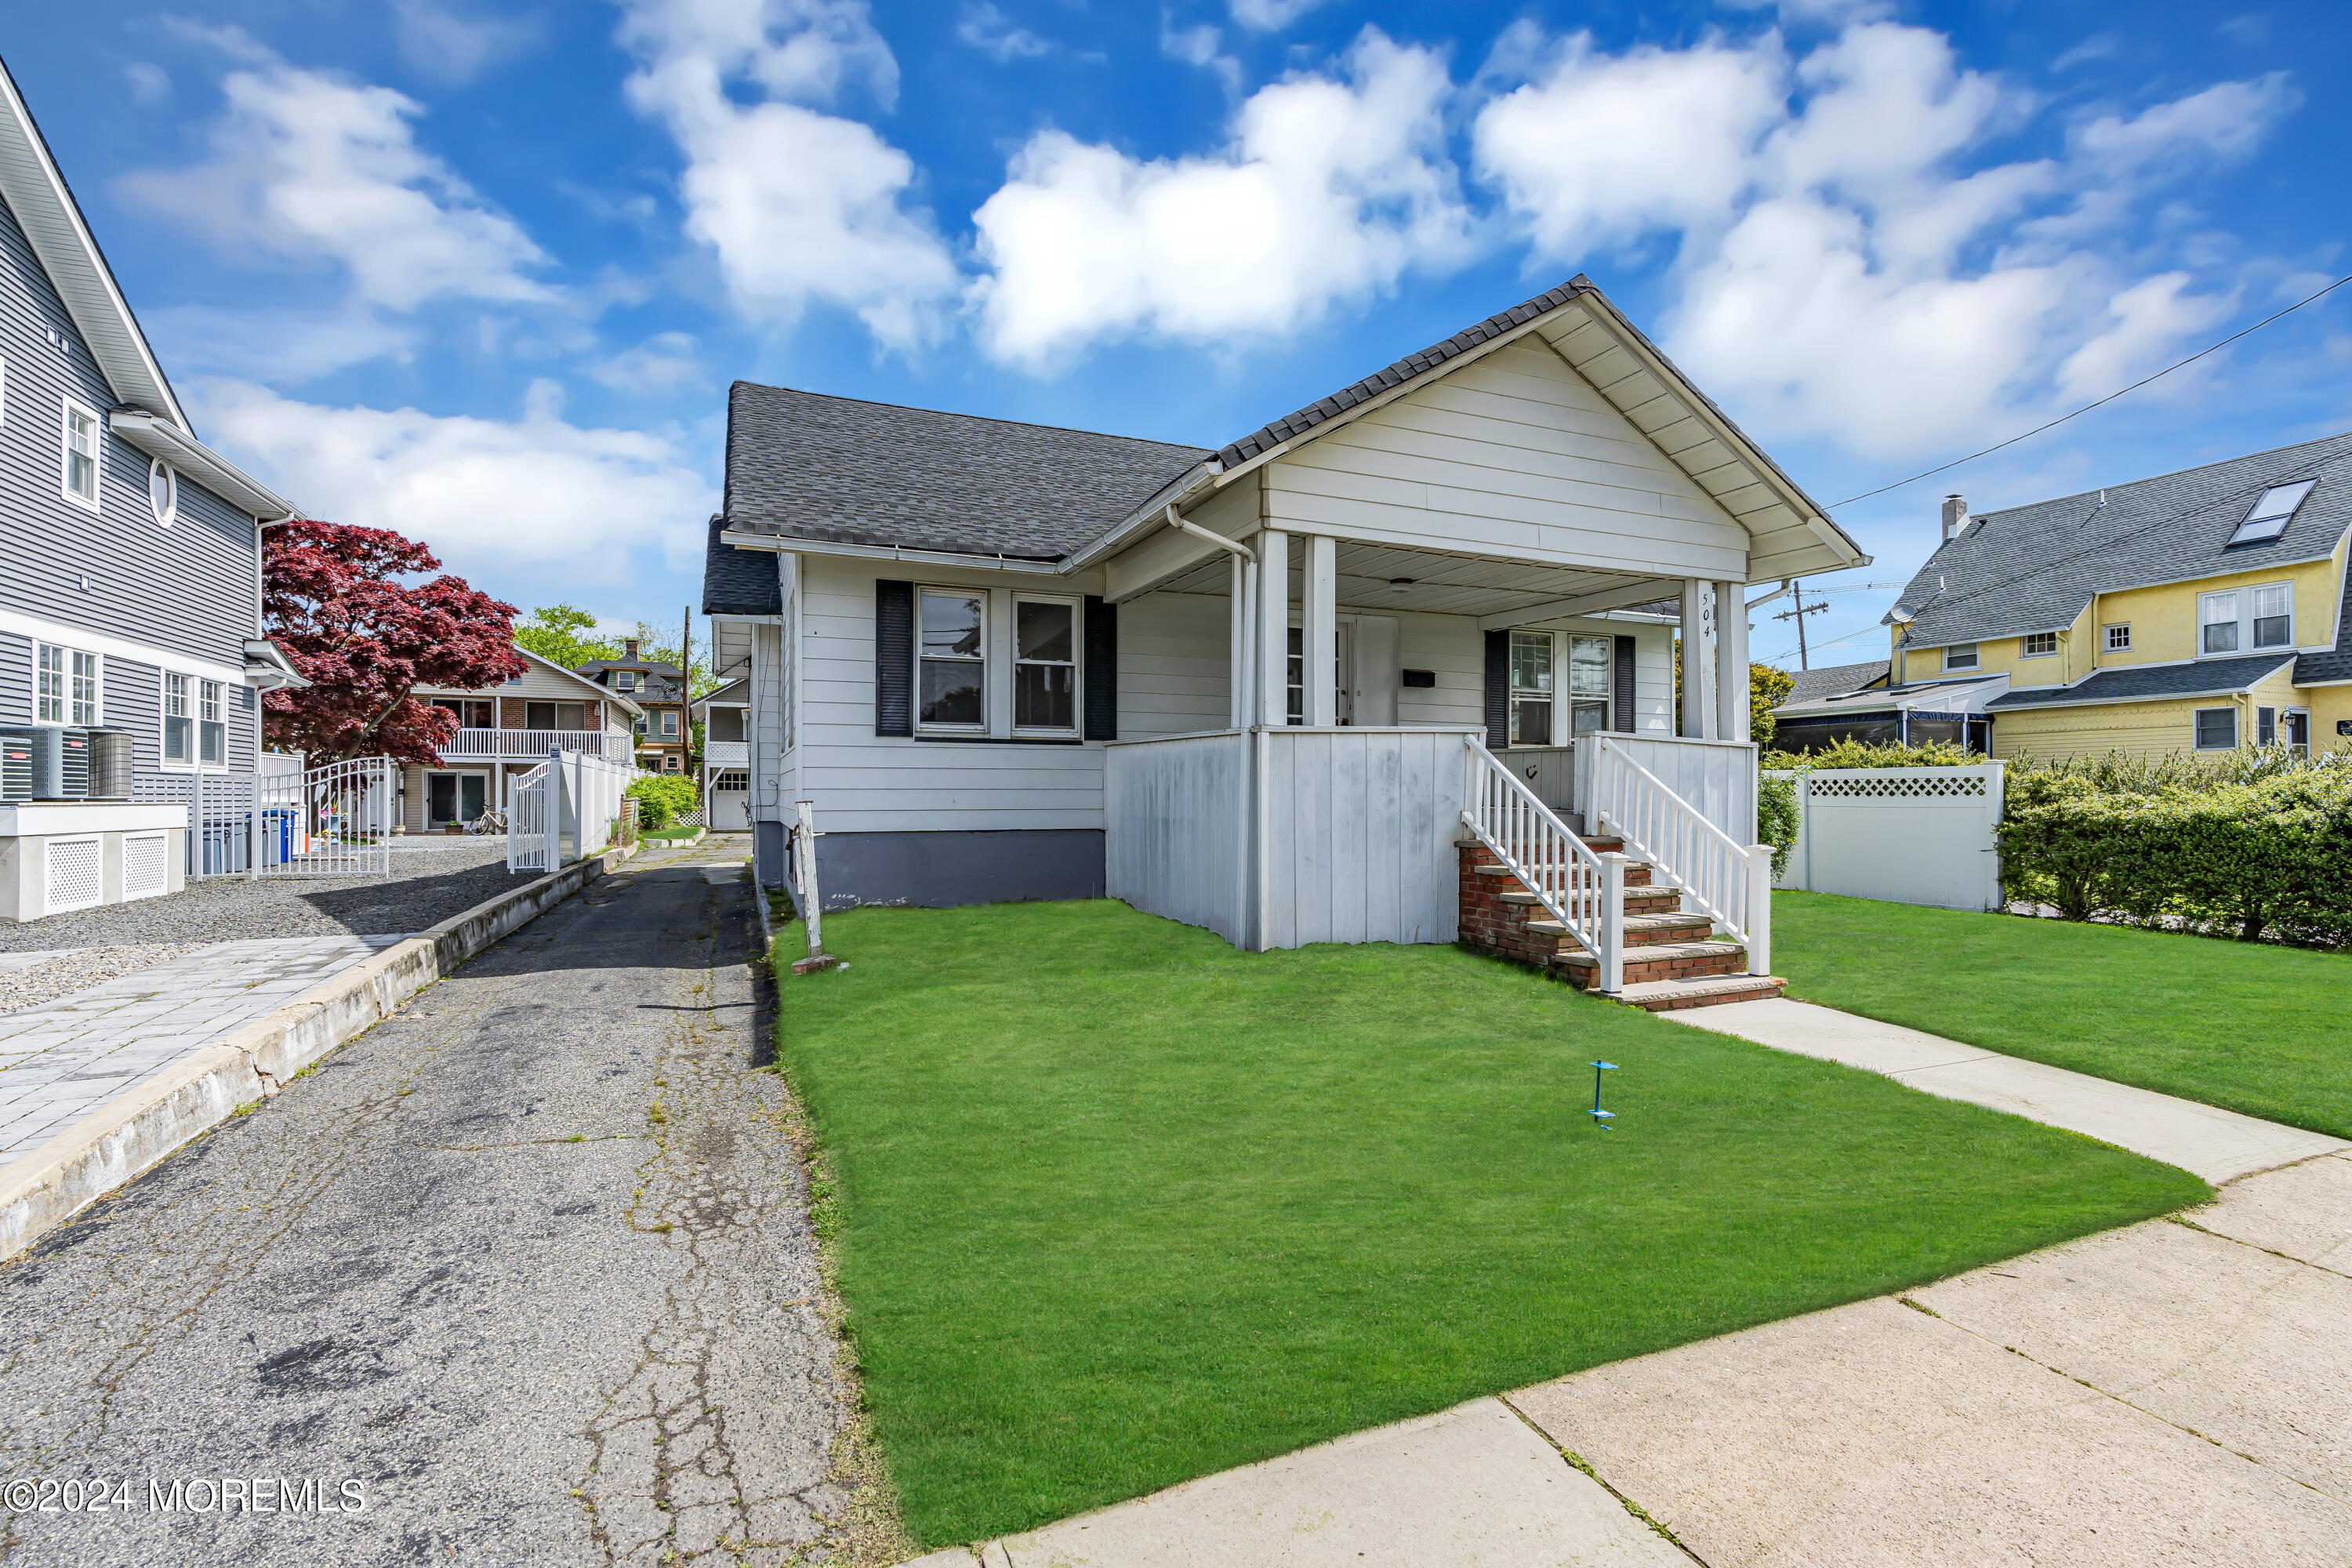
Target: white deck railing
point(719, 754)
point(1585, 892)
point(523, 745)
point(1728, 881)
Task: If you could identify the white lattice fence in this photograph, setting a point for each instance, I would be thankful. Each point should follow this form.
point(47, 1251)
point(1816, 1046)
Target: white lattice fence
point(1909, 836)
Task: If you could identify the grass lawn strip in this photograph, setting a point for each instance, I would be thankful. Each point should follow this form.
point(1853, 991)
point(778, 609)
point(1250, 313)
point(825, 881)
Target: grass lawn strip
point(1122, 1206)
point(2249, 1027)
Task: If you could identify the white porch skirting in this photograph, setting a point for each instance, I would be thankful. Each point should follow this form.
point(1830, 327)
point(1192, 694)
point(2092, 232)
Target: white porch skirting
point(1281, 837)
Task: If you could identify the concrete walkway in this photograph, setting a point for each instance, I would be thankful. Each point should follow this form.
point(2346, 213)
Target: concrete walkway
point(2219, 1145)
point(527, 1266)
point(2174, 1395)
point(63, 1059)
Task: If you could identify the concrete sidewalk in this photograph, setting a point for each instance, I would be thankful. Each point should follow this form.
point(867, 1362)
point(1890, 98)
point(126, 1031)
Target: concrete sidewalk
point(2219, 1145)
point(2175, 1392)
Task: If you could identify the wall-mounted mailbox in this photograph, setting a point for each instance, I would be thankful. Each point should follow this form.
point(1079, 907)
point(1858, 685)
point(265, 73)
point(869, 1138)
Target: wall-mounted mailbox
point(1429, 677)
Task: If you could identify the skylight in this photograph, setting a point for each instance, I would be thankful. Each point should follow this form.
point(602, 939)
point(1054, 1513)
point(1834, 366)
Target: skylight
point(2273, 509)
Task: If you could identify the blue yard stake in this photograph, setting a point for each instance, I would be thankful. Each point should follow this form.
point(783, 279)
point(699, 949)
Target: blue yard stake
point(1598, 1115)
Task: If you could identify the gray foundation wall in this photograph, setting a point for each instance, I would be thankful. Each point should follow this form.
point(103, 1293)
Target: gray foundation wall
point(942, 871)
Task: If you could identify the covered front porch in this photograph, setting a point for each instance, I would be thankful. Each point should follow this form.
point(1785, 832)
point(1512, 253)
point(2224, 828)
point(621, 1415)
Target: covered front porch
point(1470, 698)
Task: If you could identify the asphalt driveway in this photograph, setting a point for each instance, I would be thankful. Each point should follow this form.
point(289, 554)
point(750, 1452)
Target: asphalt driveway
point(522, 1275)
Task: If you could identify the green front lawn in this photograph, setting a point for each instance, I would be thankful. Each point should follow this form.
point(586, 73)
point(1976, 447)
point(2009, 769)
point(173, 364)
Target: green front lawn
point(2248, 1026)
point(1121, 1206)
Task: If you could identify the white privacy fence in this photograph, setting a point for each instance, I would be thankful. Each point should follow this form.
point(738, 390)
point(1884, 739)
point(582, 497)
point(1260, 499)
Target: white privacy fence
point(1719, 876)
point(335, 820)
point(1177, 815)
point(563, 810)
point(1582, 890)
point(1909, 836)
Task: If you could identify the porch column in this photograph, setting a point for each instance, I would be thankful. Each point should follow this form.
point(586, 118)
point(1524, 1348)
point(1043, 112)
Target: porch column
point(1731, 661)
point(1319, 630)
point(1698, 659)
point(1237, 677)
point(1273, 629)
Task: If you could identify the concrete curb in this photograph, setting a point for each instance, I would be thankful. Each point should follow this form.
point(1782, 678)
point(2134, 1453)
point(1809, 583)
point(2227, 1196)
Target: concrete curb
point(131, 1134)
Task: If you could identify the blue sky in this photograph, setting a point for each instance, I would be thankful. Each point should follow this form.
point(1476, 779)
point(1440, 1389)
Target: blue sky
point(483, 271)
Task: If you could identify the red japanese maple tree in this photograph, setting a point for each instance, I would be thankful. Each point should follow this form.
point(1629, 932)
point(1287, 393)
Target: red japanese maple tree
point(335, 598)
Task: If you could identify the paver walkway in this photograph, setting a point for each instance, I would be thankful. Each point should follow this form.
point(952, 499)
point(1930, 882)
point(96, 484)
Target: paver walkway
point(60, 1060)
point(528, 1264)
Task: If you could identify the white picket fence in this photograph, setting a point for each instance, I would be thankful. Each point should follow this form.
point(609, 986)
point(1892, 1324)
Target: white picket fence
point(566, 809)
point(1907, 835)
point(285, 821)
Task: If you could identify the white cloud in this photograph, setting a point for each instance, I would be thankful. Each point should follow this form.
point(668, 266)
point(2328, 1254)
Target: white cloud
point(1839, 268)
point(798, 205)
point(150, 83)
point(486, 494)
point(1328, 192)
point(665, 363)
point(1202, 46)
point(446, 47)
point(313, 167)
point(990, 31)
point(1271, 16)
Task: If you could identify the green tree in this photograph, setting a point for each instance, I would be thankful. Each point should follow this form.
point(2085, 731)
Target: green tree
point(565, 635)
point(1767, 689)
point(658, 649)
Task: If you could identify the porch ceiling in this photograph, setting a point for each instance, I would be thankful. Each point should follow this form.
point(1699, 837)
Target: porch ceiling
point(1440, 584)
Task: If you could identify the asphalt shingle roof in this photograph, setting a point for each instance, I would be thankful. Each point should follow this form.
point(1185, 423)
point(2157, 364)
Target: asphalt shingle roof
point(2033, 568)
point(808, 466)
point(2129, 683)
point(2318, 668)
point(1835, 681)
point(739, 582)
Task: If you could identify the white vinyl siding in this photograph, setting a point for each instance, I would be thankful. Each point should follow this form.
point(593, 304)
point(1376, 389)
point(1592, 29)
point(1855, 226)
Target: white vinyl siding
point(1173, 665)
point(2217, 729)
point(1515, 452)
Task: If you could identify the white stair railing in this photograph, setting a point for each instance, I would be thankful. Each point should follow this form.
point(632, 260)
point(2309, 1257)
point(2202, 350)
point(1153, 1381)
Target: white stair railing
point(1725, 881)
point(1584, 891)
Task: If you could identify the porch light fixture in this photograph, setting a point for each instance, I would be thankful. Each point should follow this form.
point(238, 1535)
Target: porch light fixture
point(1396, 585)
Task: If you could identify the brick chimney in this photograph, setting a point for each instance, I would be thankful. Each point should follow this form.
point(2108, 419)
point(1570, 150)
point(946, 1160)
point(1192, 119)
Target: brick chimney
point(1956, 518)
point(629, 645)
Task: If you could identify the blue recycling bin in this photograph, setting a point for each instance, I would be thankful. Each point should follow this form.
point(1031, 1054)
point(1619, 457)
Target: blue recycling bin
point(277, 823)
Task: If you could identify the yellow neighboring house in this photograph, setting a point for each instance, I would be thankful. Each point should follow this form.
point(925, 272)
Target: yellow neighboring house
point(2198, 611)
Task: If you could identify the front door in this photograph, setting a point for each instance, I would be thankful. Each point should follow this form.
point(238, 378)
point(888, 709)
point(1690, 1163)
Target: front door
point(2298, 728)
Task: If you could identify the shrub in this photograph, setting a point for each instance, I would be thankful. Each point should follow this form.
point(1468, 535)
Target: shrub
point(1863, 754)
point(661, 799)
point(1775, 820)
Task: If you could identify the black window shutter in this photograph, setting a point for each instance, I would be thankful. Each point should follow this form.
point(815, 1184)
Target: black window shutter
point(1498, 691)
point(1620, 683)
point(1102, 670)
point(894, 658)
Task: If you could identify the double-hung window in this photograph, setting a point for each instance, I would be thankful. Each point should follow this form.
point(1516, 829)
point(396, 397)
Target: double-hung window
point(1045, 665)
point(211, 730)
point(64, 685)
point(1960, 656)
point(1532, 689)
point(2038, 645)
point(2275, 615)
point(179, 723)
point(951, 659)
point(669, 723)
point(1589, 659)
point(624, 681)
point(79, 474)
point(2217, 626)
point(2217, 729)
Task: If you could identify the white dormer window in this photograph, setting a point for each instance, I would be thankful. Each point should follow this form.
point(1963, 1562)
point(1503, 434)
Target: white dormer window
point(2038, 645)
point(79, 474)
point(624, 679)
point(1960, 656)
point(2272, 511)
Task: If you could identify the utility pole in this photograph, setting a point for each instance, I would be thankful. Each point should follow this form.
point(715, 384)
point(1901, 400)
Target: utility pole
point(1797, 612)
point(685, 690)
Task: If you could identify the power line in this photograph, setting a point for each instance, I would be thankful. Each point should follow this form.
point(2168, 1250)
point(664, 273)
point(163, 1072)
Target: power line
point(2134, 386)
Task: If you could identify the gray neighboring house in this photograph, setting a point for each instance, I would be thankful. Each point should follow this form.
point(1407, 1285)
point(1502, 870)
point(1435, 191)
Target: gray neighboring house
point(131, 561)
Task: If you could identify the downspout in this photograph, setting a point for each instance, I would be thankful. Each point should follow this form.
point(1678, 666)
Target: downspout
point(1251, 877)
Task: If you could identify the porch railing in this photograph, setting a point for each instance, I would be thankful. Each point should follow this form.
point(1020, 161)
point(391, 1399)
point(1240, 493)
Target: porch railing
point(1728, 881)
point(1582, 890)
point(522, 745)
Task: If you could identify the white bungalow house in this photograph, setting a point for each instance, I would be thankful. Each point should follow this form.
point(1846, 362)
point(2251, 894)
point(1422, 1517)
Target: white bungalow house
point(506, 730)
point(725, 782)
point(1410, 643)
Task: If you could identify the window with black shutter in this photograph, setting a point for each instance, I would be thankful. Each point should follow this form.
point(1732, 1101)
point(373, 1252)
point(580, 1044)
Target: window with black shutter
point(1623, 719)
point(894, 658)
point(1499, 689)
point(1102, 670)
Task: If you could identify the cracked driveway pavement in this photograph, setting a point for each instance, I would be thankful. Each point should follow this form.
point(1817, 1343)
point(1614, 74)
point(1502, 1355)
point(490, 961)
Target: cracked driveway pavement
point(529, 1263)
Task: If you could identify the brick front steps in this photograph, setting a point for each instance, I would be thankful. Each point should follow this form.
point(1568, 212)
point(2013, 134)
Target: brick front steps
point(1673, 959)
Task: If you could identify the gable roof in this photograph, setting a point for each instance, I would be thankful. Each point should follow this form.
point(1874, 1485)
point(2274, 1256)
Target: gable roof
point(2149, 682)
point(545, 662)
point(2334, 667)
point(1834, 680)
point(739, 582)
point(2033, 568)
point(805, 465)
point(736, 693)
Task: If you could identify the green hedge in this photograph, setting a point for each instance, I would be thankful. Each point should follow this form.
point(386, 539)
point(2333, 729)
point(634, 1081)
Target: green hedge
point(661, 800)
point(2248, 847)
point(1862, 755)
